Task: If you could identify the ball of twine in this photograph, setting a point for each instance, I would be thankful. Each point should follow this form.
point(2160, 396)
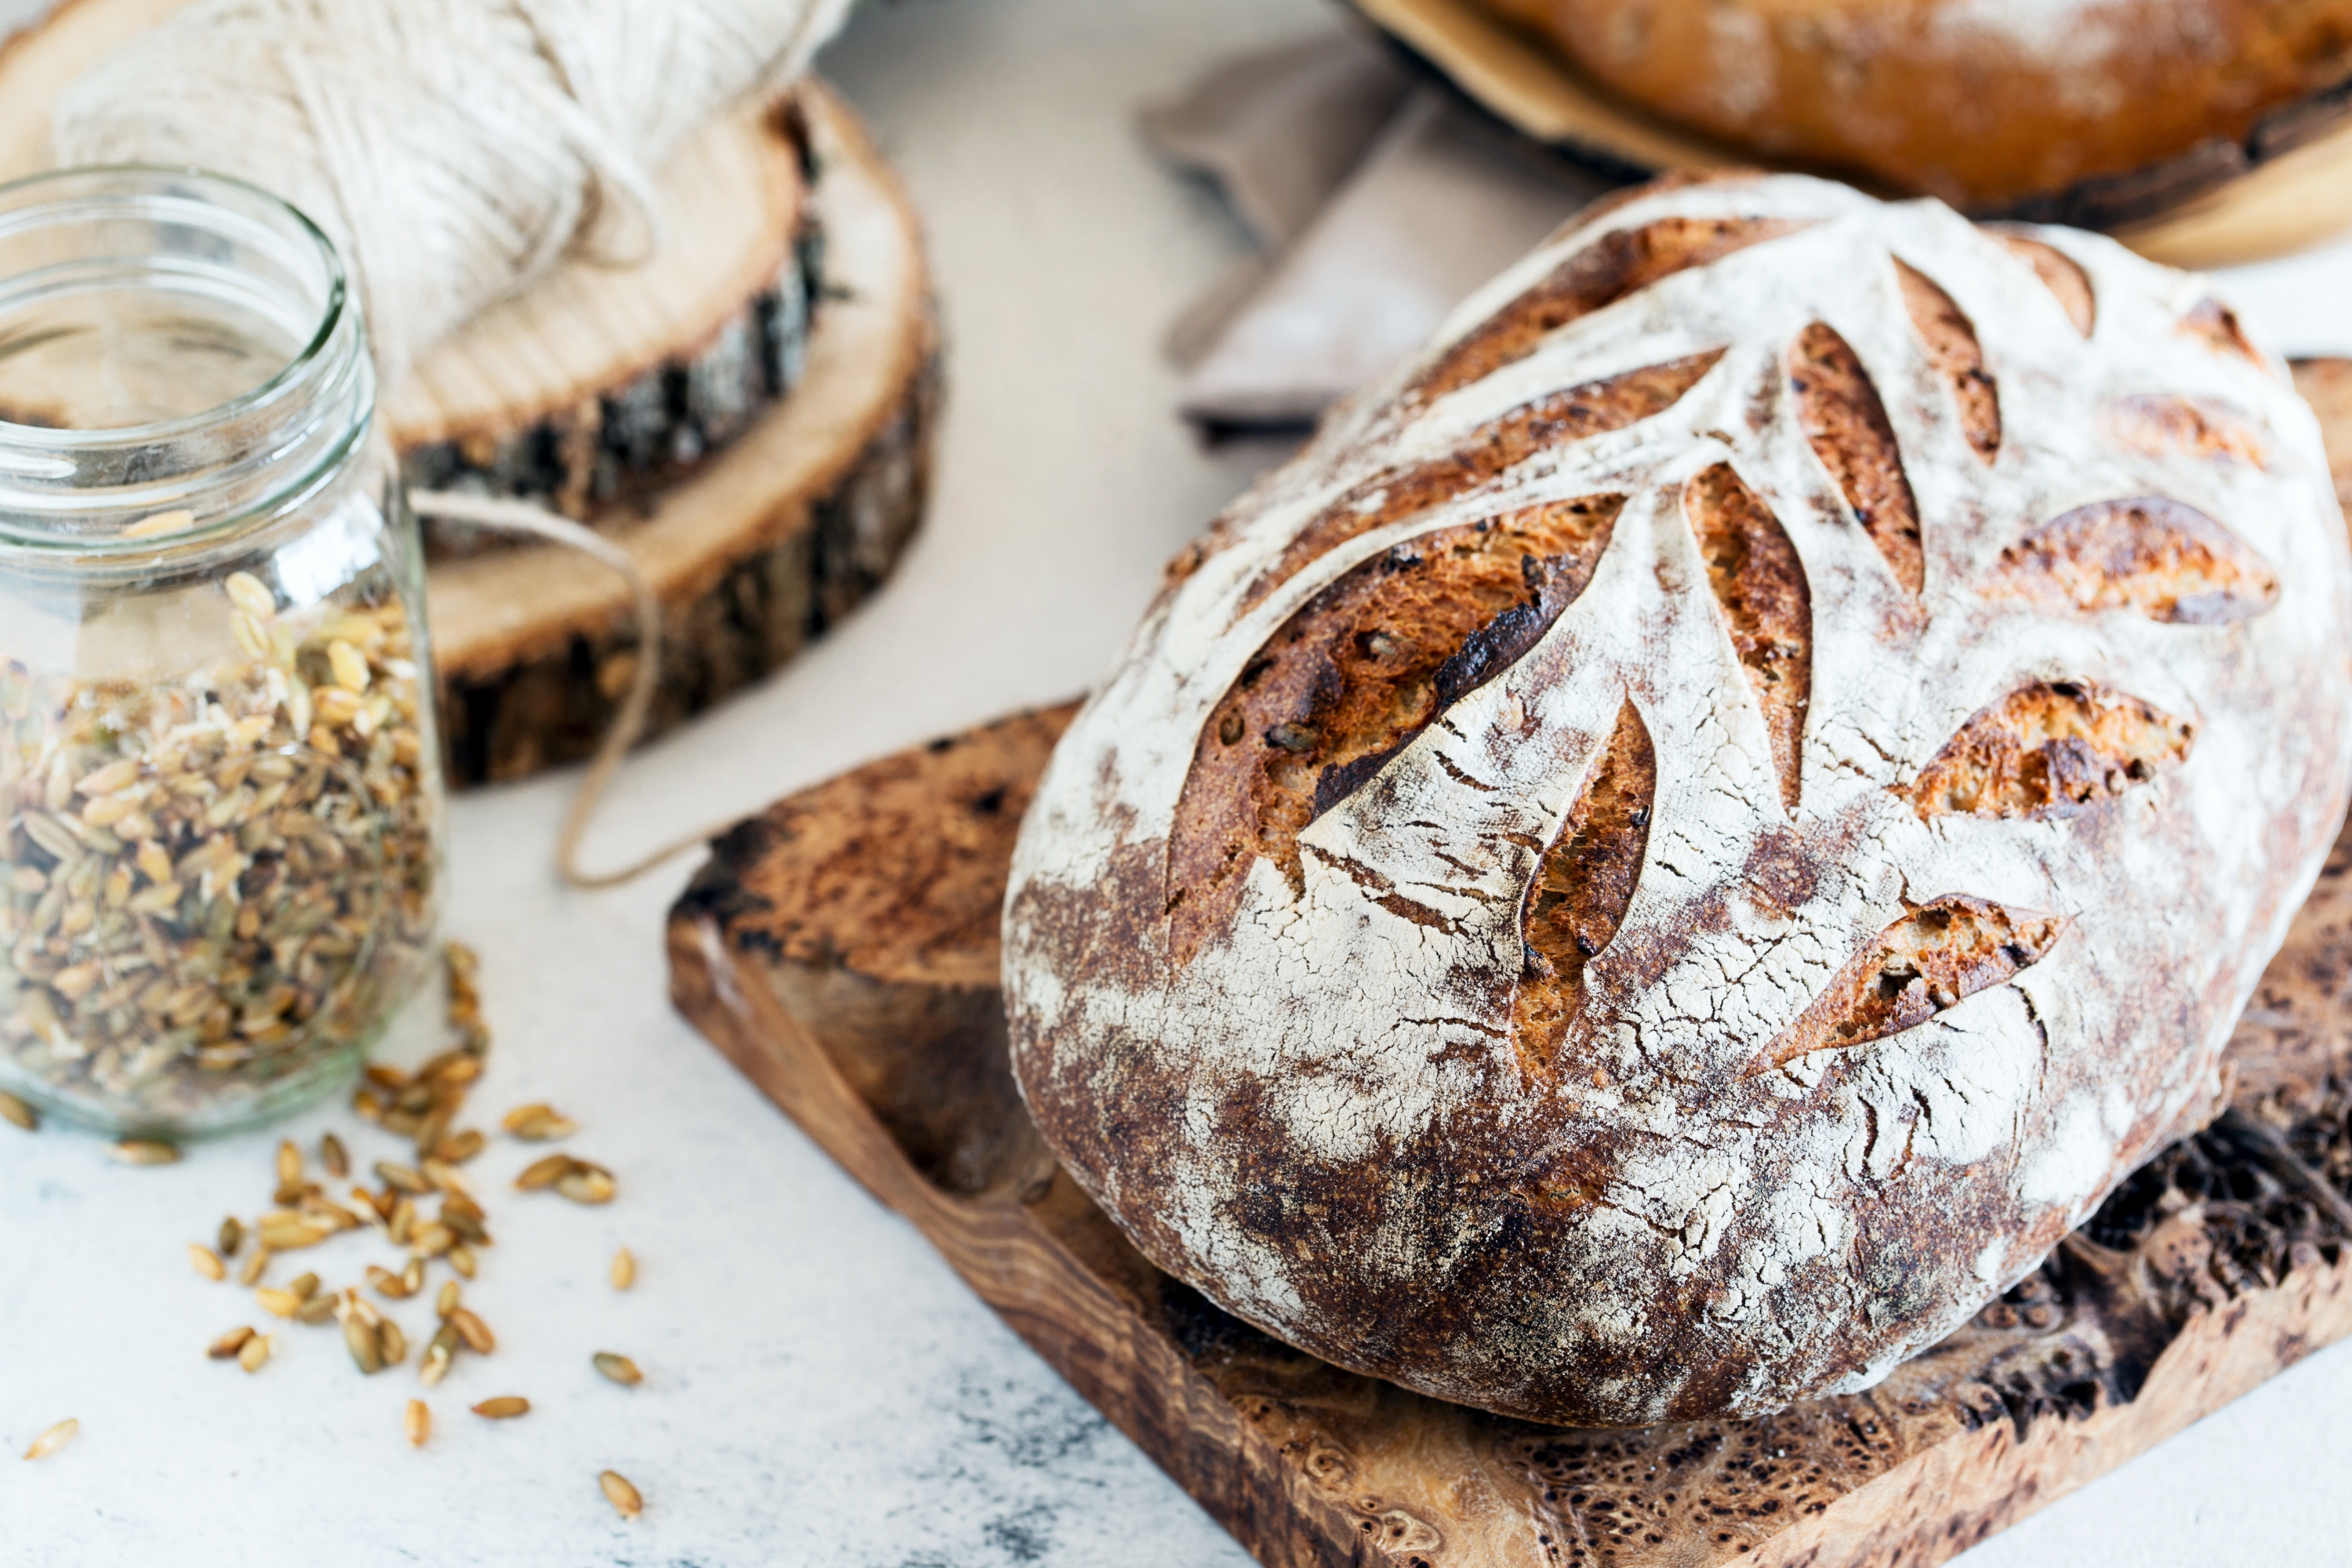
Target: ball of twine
point(455, 149)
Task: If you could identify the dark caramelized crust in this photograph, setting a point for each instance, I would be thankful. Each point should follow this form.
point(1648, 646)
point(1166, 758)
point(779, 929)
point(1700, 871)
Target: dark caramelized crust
point(1847, 426)
point(1952, 344)
point(2049, 750)
point(2162, 424)
point(2216, 326)
point(1580, 889)
point(2165, 559)
point(1580, 412)
point(1615, 265)
point(1353, 676)
point(2061, 274)
point(1918, 966)
point(1767, 607)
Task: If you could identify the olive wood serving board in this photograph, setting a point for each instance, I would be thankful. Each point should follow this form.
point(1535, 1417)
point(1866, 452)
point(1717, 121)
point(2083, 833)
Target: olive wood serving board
point(2287, 184)
point(842, 949)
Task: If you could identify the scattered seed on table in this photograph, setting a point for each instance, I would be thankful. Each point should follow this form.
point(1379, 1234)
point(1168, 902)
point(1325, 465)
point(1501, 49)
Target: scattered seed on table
point(473, 1330)
point(393, 1342)
point(360, 1339)
point(544, 1173)
point(319, 1310)
point(279, 1303)
point(289, 1164)
point(461, 1259)
point(14, 1110)
point(446, 1302)
point(460, 1147)
point(505, 1408)
point(417, 1423)
point(620, 1369)
point(539, 1123)
point(624, 1269)
point(232, 1236)
point(50, 1441)
point(587, 1184)
point(626, 1500)
point(254, 1353)
point(304, 1286)
point(144, 1151)
point(334, 1156)
point(401, 1178)
point(206, 1262)
point(432, 1240)
point(225, 1347)
point(437, 1357)
point(388, 1285)
point(256, 1262)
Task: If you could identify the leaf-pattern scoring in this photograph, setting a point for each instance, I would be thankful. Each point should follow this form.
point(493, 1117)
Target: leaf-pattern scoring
point(1355, 675)
point(1925, 962)
point(2051, 749)
point(1581, 885)
point(1952, 344)
point(2163, 559)
point(1561, 419)
point(1767, 605)
point(1617, 263)
point(1847, 426)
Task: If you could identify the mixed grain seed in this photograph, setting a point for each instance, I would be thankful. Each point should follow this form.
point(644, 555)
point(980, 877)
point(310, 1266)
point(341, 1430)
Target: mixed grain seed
point(215, 882)
point(624, 1269)
point(15, 1112)
point(539, 1123)
point(225, 1347)
point(206, 1262)
point(417, 1423)
point(505, 1408)
point(144, 1151)
point(254, 1354)
point(55, 1437)
point(626, 1500)
point(618, 1369)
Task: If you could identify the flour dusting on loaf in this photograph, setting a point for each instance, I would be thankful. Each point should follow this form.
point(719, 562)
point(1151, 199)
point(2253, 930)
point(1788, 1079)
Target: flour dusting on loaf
point(1699, 828)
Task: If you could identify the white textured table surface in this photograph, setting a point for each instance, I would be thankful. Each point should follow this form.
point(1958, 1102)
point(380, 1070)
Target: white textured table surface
point(820, 1388)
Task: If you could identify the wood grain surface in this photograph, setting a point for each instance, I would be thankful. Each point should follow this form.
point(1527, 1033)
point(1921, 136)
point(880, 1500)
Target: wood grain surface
point(842, 949)
point(2285, 185)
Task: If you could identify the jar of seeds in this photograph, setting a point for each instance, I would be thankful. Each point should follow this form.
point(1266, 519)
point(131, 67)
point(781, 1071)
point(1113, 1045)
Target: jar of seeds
point(220, 793)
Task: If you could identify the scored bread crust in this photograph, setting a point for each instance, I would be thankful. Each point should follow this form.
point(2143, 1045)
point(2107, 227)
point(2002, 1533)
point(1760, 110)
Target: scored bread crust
point(1981, 102)
point(1701, 826)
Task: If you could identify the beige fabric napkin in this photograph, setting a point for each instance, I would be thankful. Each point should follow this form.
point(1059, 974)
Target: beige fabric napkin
point(1381, 201)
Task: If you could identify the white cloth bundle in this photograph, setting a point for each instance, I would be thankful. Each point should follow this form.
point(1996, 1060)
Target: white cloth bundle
point(453, 148)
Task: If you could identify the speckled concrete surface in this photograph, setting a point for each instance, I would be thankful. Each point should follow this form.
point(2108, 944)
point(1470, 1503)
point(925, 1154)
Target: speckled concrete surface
point(820, 1389)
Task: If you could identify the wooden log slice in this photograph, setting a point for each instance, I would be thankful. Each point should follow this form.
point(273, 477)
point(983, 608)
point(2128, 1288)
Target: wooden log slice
point(842, 948)
point(770, 541)
point(2286, 184)
point(600, 382)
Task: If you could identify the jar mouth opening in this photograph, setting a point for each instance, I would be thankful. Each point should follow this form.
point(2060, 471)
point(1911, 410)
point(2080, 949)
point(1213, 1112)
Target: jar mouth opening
point(79, 486)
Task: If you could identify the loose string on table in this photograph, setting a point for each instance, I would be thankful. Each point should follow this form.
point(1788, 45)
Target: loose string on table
point(629, 724)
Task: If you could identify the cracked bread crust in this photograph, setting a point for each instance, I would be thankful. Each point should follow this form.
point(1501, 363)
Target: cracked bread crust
point(1623, 938)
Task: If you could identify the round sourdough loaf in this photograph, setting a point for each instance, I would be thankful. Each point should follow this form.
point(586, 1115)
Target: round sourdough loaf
point(1698, 829)
point(1982, 102)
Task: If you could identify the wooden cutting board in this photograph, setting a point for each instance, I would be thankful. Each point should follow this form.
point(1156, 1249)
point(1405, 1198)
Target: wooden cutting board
point(842, 949)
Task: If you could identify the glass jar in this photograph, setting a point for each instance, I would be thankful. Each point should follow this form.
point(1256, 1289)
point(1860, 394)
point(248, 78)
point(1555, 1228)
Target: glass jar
point(221, 801)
